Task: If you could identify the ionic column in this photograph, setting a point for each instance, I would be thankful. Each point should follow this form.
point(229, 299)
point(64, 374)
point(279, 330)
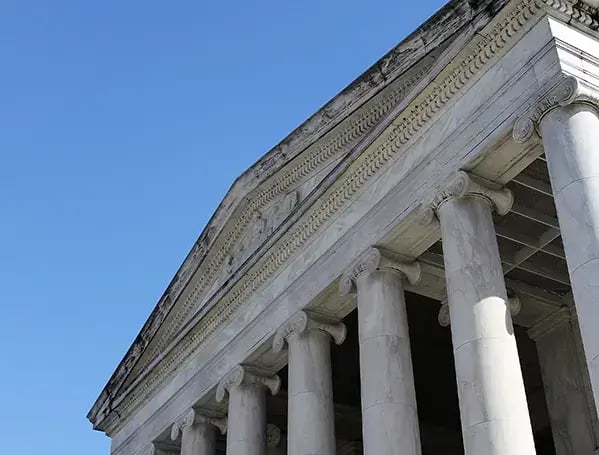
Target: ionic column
point(389, 413)
point(493, 407)
point(564, 372)
point(568, 121)
point(198, 436)
point(246, 434)
point(310, 413)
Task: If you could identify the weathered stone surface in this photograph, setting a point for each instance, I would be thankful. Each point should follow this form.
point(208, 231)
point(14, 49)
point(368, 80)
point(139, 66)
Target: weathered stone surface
point(444, 100)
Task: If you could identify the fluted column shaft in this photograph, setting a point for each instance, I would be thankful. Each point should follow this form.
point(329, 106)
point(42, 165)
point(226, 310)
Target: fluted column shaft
point(311, 413)
point(571, 141)
point(493, 406)
point(389, 413)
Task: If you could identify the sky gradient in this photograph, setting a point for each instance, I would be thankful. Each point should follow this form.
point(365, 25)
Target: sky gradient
point(122, 126)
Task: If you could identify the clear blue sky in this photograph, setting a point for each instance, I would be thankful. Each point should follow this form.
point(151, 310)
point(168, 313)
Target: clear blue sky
point(122, 125)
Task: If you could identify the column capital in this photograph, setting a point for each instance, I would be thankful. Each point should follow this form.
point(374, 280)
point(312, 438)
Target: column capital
point(464, 184)
point(445, 320)
point(273, 435)
point(243, 374)
point(302, 322)
point(548, 324)
point(567, 91)
point(375, 259)
point(194, 416)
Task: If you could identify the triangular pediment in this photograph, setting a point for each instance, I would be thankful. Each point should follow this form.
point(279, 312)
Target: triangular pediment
point(261, 202)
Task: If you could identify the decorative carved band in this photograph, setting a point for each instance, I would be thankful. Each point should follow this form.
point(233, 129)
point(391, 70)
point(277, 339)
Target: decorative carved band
point(444, 319)
point(462, 185)
point(273, 436)
point(242, 375)
point(550, 323)
point(378, 259)
point(302, 322)
point(569, 90)
point(192, 417)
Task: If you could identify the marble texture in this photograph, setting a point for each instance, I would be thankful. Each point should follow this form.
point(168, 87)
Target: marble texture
point(460, 134)
point(389, 412)
point(493, 406)
point(310, 414)
point(246, 433)
point(198, 439)
point(570, 138)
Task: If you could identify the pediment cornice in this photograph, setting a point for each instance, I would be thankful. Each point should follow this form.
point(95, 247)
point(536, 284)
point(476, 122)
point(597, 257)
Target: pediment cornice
point(413, 119)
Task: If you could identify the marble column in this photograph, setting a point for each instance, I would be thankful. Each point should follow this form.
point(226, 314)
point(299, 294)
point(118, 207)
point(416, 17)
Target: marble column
point(310, 412)
point(246, 386)
point(568, 121)
point(569, 401)
point(389, 412)
point(493, 406)
point(198, 435)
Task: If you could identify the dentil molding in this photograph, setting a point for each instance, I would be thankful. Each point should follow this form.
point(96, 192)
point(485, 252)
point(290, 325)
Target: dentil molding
point(463, 185)
point(242, 374)
point(375, 259)
point(568, 91)
point(302, 322)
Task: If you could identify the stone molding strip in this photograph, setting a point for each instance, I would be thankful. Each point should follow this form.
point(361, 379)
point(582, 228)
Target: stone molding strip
point(242, 374)
point(302, 322)
point(444, 318)
point(463, 185)
point(414, 118)
point(375, 259)
point(567, 91)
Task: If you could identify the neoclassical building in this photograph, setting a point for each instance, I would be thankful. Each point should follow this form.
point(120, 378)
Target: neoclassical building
point(414, 270)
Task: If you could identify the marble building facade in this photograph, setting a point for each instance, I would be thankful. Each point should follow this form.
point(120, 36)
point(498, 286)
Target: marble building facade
point(414, 270)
